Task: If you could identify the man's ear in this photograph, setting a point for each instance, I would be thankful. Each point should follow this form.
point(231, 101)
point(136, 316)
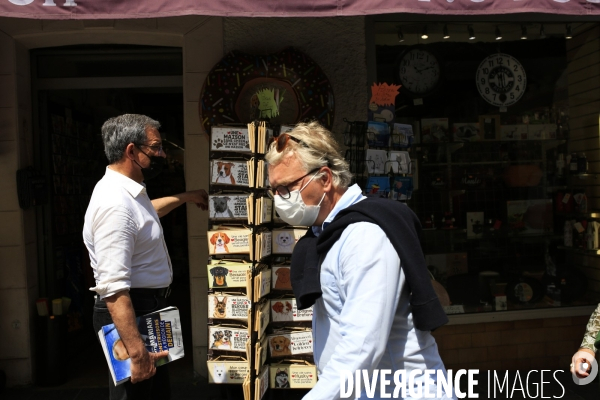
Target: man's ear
point(327, 179)
point(129, 151)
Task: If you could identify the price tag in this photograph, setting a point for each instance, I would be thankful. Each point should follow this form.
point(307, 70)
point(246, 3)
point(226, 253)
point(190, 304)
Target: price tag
point(418, 102)
point(566, 198)
point(458, 309)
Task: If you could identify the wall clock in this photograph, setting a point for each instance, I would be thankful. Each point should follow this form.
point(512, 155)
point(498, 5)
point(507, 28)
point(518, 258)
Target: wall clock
point(501, 80)
point(419, 71)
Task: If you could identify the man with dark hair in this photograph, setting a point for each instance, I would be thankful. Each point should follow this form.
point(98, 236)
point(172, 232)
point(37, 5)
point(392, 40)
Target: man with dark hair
point(124, 237)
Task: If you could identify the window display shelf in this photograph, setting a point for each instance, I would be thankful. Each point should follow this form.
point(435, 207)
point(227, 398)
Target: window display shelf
point(588, 215)
point(581, 251)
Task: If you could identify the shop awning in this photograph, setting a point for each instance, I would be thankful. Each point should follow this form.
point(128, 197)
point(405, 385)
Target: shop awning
point(119, 9)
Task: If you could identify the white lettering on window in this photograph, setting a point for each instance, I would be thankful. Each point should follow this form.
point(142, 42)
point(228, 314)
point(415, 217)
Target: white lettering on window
point(21, 2)
point(49, 3)
point(70, 3)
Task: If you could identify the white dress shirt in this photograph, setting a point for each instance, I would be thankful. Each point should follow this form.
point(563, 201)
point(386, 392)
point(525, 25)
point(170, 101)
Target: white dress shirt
point(124, 237)
point(363, 321)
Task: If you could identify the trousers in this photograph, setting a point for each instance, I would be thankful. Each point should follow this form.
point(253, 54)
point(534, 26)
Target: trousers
point(157, 387)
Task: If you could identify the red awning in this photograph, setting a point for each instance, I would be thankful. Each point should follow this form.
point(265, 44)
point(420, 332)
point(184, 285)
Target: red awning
point(119, 9)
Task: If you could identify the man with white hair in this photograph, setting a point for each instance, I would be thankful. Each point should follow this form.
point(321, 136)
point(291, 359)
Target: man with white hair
point(361, 266)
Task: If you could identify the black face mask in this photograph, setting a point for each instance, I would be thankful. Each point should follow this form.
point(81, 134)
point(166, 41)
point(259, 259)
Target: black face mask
point(156, 166)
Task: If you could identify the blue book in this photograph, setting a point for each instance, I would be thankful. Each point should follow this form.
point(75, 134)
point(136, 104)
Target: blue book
point(160, 330)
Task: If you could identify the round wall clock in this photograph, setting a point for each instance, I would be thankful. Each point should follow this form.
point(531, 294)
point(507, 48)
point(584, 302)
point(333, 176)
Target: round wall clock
point(419, 71)
point(501, 80)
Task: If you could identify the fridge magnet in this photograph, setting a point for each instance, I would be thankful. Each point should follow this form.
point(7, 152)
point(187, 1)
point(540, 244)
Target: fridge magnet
point(227, 369)
point(224, 274)
point(224, 305)
point(229, 240)
point(288, 342)
point(285, 310)
point(229, 139)
point(281, 277)
point(230, 206)
point(293, 374)
point(229, 172)
point(228, 337)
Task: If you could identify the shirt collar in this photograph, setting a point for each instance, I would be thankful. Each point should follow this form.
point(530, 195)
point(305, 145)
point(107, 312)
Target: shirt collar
point(352, 195)
point(127, 183)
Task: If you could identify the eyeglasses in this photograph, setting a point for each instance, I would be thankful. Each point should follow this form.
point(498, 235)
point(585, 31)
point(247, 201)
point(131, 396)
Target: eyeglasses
point(282, 140)
point(283, 190)
point(156, 148)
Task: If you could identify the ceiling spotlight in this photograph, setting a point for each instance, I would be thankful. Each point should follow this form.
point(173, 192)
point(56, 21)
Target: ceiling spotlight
point(424, 34)
point(471, 32)
point(523, 32)
point(446, 34)
point(498, 34)
point(542, 32)
point(569, 34)
point(400, 35)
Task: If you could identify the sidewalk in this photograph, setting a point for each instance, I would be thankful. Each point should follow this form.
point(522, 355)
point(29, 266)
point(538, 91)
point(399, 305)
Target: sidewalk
point(186, 388)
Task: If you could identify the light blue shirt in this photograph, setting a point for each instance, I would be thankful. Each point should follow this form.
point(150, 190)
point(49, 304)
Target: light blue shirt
point(363, 321)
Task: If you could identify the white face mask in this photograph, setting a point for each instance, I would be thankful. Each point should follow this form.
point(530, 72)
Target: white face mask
point(294, 211)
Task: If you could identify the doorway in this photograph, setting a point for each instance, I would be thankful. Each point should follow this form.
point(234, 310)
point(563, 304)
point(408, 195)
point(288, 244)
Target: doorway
point(76, 89)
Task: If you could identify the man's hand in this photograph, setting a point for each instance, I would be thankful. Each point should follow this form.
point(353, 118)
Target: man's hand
point(200, 197)
point(165, 205)
point(144, 366)
point(582, 356)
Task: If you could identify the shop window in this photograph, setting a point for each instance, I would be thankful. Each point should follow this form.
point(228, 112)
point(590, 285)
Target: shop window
point(504, 152)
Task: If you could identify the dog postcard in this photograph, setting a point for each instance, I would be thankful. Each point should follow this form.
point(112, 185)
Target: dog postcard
point(229, 139)
point(281, 278)
point(286, 310)
point(225, 241)
point(294, 375)
point(287, 342)
point(230, 206)
point(285, 239)
point(262, 283)
point(229, 172)
point(228, 369)
point(227, 274)
point(228, 306)
point(227, 337)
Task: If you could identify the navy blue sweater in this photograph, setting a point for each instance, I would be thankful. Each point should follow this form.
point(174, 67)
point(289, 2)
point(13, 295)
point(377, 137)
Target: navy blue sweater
point(402, 228)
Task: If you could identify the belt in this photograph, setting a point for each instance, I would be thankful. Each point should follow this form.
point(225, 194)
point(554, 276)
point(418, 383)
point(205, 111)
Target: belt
point(160, 292)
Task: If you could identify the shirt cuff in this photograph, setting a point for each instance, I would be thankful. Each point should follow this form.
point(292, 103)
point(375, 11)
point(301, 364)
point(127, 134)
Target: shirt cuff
point(105, 290)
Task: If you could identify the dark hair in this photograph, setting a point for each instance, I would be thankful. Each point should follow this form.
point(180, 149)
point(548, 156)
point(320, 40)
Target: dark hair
point(119, 131)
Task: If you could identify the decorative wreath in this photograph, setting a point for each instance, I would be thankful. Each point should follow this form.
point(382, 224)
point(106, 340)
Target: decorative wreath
point(283, 88)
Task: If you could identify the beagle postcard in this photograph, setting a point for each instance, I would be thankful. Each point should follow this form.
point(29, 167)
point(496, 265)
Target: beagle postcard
point(227, 274)
point(227, 369)
point(286, 310)
point(293, 375)
point(223, 138)
point(227, 337)
point(290, 342)
point(230, 206)
point(222, 305)
point(284, 239)
point(229, 240)
point(229, 172)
